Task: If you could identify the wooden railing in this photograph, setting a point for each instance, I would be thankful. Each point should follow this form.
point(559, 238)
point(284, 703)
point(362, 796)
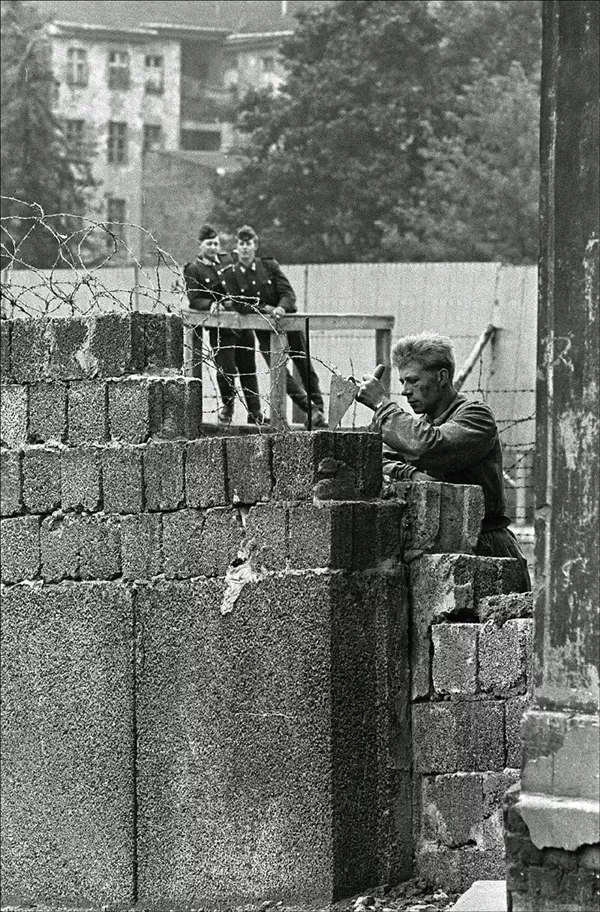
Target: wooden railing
point(195, 322)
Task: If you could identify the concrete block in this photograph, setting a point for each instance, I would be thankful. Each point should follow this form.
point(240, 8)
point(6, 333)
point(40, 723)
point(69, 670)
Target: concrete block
point(160, 336)
point(296, 458)
point(248, 461)
point(10, 482)
point(183, 544)
point(129, 410)
point(68, 743)
point(501, 656)
point(455, 870)
point(453, 737)
point(5, 370)
point(87, 412)
point(41, 479)
point(20, 548)
point(47, 412)
point(502, 607)
point(59, 547)
point(320, 535)
point(441, 587)
point(362, 453)
point(223, 533)
point(495, 786)
point(99, 547)
point(454, 664)
point(163, 475)
point(80, 478)
point(13, 416)
point(452, 809)
point(266, 536)
point(461, 512)
point(494, 575)
point(205, 479)
point(176, 408)
point(28, 350)
point(363, 525)
point(67, 340)
point(122, 479)
point(141, 545)
point(116, 346)
point(289, 679)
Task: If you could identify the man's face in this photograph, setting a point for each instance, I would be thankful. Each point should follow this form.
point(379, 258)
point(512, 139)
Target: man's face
point(246, 250)
point(422, 387)
point(209, 248)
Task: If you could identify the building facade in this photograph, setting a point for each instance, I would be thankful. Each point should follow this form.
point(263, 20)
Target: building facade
point(150, 98)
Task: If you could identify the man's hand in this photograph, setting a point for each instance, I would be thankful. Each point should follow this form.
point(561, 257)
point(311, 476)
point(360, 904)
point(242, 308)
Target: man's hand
point(371, 392)
point(215, 307)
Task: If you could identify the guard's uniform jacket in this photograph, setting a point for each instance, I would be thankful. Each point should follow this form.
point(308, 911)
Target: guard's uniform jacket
point(233, 349)
point(264, 279)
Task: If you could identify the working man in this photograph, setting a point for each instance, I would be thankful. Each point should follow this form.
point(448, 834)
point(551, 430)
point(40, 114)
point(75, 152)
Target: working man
point(262, 277)
point(451, 438)
point(233, 349)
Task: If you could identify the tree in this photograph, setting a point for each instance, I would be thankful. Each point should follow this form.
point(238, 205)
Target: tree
point(40, 173)
point(388, 107)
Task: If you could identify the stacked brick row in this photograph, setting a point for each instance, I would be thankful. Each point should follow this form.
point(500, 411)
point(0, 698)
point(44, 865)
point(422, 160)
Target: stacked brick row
point(470, 660)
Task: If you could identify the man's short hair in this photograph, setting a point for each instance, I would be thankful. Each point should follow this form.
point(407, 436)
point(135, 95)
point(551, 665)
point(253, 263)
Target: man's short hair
point(431, 351)
point(247, 233)
point(206, 232)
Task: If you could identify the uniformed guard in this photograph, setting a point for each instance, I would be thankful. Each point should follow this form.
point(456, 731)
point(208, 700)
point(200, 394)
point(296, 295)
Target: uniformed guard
point(262, 276)
point(206, 281)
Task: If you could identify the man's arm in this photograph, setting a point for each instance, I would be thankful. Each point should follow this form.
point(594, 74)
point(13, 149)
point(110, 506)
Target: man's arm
point(198, 295)
point(466, 438)
point(286, 296)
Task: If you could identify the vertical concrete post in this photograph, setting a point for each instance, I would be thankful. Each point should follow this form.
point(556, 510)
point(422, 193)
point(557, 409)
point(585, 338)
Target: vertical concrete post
point(559, 795)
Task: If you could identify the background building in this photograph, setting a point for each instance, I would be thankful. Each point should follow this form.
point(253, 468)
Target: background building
point(152, 88)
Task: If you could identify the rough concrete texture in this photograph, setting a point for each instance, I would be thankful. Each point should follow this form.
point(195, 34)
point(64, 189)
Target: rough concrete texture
point(41, 479)
point(5, 367)
point(176, 408)
point(10, 482)
point(122, 484)
point(458, 736)
point(454, 665)
point(141, 546)
point(67, 745)
point(65, 341)
point(442, 518)
point(47, 412)
point(266, 536)
point(13, 416)
point(163, 476)
point(321, 535)
point(129, 410)
point(458, 870)
point(87, 413)
point(20, 548)
point(452, 809)
point(503, 607)
point(205, 479)
point(504, 655)
point(99, 547)
point(80, 478)
point(250, 793)
point(59, 547)
point(295, 463)
point(197, 543)
point(248, 461)
point(28, 350)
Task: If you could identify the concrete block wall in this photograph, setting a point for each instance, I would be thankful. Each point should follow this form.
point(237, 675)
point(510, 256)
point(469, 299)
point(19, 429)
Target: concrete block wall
point(470, 660)
point(212, 646)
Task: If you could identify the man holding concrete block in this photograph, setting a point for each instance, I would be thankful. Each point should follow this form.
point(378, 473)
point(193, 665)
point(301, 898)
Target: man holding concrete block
point(449, 438)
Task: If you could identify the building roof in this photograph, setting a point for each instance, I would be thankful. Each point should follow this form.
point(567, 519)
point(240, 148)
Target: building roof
point(232, 16)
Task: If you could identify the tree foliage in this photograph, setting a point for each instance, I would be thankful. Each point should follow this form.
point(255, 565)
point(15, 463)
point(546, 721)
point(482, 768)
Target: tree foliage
point(38, 170)
point(406, 130)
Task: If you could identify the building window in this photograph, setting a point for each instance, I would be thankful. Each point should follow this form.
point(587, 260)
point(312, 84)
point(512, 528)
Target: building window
point(74, 136)
point(116, 215)
point(154, 66)
point(201, 140)
point(118, 70)
point(152, 137)
point(117, 142)
point(77, 66)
